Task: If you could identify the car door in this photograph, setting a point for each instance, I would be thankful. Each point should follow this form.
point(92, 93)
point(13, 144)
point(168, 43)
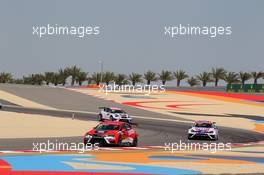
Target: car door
point(104, 113)
point(108, 113)
point(124, 133)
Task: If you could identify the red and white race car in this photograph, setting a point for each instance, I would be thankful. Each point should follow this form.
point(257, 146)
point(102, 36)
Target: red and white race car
point(112, 133)
point(203, 129)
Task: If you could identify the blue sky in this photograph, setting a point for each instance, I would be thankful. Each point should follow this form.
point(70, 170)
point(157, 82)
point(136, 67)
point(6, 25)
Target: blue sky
point(131, 35)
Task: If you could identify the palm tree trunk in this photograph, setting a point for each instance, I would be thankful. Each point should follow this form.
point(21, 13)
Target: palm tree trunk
point(255, 81)
point(178, 83)
point(216, 83)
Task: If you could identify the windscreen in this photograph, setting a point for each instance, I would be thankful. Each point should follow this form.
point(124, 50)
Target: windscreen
point(106, 127)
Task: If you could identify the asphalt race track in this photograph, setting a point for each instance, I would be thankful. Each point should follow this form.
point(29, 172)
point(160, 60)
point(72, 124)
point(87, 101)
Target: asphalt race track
point(151, 131)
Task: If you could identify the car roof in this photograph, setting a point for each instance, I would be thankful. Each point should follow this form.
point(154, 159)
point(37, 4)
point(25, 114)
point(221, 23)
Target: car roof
point(203, 121)
point(116, 108)
point(112, 123)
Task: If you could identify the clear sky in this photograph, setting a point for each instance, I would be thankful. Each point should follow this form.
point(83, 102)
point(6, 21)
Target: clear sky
point(131, 35)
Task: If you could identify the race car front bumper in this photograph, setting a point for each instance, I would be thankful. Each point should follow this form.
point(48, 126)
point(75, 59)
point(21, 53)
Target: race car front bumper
point(102, 140)
point(210, 135)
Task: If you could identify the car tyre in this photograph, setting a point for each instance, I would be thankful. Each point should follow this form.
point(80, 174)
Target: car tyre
point(119, 142)
point(216, 138)
point(100, 144)
point(111, 118)
point(135, 143)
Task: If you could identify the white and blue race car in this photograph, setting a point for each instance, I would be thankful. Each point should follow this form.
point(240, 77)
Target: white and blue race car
point(203, 129)
point(113, 114)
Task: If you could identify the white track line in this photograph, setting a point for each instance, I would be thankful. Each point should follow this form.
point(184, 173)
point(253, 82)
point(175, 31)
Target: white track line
point(120, 148)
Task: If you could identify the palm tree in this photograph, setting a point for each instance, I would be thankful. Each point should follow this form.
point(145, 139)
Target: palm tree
point(27, 80)
point(135, 78)
point(108, 77)
point(244, 76)
point(150, 76)
point(120, 79)
point(205, 77)
point(180, 75)
point(89, 80)
point(18, 81)
point(37, 79)
point(96, 77)
point(48, 77)
point(256, 76)
point(74, 71)
point(231, 78)
point(5, 77)
point(165, 76)
point(56, 79)
point(218, 74)
point(63, 75)
point(81, 77)
point(193, 82)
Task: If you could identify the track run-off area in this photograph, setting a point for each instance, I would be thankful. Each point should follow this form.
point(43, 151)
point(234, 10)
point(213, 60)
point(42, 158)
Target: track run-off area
point(33, 114)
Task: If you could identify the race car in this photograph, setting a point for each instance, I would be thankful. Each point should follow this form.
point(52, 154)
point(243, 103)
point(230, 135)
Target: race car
point(112, 133)
point(203, 129)
point(113, 114)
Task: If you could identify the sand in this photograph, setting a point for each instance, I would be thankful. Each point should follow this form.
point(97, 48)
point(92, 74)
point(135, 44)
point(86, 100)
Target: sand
point(21, 101)
point(19, 125)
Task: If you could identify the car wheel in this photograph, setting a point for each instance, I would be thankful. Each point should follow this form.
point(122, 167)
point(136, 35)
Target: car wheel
point(100, 117)
point(111, 118)
point(135, 143)
point(216, 138)
point(100, 144)
point(119, 142)
point(85, 142)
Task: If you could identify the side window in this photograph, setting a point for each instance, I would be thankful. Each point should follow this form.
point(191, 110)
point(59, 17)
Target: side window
point(127, 127)
point(107, 110)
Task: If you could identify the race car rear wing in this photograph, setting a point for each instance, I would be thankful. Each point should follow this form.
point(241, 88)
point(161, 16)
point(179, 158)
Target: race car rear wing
point(102, 108)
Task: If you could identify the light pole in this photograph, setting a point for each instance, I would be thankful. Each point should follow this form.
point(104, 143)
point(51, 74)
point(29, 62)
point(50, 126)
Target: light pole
point(102, 69)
